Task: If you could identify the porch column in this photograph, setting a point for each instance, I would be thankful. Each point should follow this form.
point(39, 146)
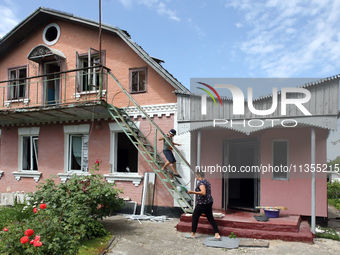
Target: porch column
point(198, 161)
point(313, 218)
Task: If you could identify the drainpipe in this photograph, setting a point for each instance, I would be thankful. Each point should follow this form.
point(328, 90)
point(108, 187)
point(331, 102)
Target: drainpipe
point(313, 219)
point(198, 158)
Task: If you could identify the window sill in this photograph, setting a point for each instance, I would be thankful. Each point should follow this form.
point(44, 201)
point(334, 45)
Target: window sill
point(1, 173)
point(134, 177)
point(30, 174)
point(9, 102)
point(84, 93)
point(138, 92)
point(64, 176)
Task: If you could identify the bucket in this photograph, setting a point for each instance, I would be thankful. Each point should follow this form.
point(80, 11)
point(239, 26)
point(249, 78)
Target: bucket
point(272, 213)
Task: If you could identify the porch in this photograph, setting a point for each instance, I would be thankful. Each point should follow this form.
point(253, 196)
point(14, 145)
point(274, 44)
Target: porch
point(244, 225)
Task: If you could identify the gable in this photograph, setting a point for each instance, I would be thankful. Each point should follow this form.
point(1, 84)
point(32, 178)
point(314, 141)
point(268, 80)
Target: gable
point(42, 15)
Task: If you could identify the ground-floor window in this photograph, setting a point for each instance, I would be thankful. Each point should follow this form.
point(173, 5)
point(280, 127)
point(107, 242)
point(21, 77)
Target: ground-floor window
point(127, 155)
point(280, 160)
point(78, 152)
point(123, 153)
point(30, 152)
point(76, 148)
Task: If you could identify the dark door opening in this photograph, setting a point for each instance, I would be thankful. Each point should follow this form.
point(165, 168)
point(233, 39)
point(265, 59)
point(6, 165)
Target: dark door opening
point(52, 84)
point(242, 187)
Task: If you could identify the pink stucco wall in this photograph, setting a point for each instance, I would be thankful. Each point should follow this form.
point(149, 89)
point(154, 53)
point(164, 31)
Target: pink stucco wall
point(51, 157)
point(294, 193)
point(119, 58)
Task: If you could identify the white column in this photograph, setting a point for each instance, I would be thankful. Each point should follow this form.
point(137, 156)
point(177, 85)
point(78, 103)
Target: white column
point(198, 162)
point(313, 217)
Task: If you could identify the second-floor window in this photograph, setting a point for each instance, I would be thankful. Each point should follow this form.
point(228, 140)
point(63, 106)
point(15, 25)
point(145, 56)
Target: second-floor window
point(89, 79)
point(17, 84)
point(138, 80)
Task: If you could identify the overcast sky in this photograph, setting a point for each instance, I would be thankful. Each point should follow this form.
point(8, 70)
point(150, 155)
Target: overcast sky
point(217, 38)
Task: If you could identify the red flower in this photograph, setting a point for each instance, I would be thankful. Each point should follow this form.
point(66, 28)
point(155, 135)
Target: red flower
point(42, 206)
point(35, 210)
point(31, 242)
point(29, 232)
point(97, 162)
point(37, 243)
point(5, 229)
point(24, 239)
point(37, 238)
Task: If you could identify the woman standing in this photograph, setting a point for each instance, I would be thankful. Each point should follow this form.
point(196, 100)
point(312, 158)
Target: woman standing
point(203, 205)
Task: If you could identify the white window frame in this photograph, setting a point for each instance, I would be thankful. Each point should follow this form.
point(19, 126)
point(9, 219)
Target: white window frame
point(49, 43)
point(31, 131)
point(83, 129)
point(287, 174)
point(114, 175)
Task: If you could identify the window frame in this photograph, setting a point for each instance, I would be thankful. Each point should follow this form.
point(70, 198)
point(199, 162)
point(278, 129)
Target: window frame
point(16, 98)
point(273, 158)
point(80, 60)
point(113, 176)
point(115, 130)
point(131, 71)
point(33, 152)
point(82, 164)
point(70, 130)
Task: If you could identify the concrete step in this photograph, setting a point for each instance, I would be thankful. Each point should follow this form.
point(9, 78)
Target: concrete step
point(246, 220)
point(304, 234)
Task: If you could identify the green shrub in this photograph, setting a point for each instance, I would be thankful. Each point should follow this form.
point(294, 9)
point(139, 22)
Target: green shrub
point(71, 213)
point(335, 202)
point(333, 190)
point(16, 213)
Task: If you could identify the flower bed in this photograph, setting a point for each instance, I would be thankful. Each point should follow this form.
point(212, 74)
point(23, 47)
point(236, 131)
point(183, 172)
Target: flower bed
point(59, 216)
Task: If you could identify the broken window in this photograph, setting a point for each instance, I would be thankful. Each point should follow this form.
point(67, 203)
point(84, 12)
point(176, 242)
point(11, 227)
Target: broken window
point(17, 84)
point(280, 160)
point(89, 79)
point(138, 80)
point(127, 155)
point(78, 152)
point(30, 153)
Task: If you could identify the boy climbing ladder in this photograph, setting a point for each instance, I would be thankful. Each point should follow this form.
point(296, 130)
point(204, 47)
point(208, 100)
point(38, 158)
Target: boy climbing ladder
point(167, 150)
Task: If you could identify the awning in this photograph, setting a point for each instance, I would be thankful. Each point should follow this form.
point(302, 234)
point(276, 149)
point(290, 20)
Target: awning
point(42, 52)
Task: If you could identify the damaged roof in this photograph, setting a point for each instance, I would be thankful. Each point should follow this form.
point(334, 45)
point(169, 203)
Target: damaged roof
point(42, 14)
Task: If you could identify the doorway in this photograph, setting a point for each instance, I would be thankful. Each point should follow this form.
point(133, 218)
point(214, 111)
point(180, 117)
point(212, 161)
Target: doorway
point(241, 189)
point(52, 83)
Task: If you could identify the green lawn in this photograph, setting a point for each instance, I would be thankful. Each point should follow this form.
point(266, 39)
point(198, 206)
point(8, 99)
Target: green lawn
point(94, 246)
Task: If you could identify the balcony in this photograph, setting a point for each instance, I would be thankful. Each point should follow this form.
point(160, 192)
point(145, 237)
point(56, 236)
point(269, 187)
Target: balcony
point(78, 94)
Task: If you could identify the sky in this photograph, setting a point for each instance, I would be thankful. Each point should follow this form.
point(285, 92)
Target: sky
point(219, 38)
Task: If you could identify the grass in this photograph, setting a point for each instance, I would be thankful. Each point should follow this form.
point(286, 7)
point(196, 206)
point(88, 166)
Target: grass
point(328, 234)
point(94, 246)
point(334, 202)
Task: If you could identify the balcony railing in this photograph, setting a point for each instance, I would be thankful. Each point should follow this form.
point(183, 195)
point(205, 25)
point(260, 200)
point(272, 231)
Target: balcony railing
point(58, 88)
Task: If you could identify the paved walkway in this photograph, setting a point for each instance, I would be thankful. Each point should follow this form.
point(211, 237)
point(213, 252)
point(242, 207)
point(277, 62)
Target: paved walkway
point(153, 238)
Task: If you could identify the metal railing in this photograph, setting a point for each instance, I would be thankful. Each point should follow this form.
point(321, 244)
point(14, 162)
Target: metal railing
point(56, 88)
